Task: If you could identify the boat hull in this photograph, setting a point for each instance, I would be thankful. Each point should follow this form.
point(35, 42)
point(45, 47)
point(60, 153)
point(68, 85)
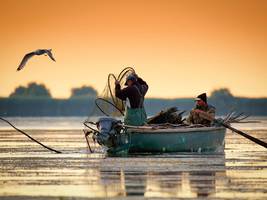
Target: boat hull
point(206, 139)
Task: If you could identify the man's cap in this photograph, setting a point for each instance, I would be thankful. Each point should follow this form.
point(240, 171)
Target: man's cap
point(130, 77)
point(202, 97)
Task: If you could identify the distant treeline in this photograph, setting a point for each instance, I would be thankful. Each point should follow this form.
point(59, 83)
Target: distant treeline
point(85, 106)
point(36, 100)
point(45, 107)
point(250, 106)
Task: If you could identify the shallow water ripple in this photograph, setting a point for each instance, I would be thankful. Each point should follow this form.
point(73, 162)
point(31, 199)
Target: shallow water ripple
point(27, 171)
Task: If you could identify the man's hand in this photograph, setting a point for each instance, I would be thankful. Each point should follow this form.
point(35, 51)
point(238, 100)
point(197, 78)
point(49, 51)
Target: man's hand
point(198, 111)
point(134, 74)
point(205, 115)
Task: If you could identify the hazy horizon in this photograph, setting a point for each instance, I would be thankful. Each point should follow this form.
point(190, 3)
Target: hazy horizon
point(151, 97)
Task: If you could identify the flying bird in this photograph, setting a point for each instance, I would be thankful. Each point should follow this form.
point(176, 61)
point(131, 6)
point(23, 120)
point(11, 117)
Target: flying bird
point(38, 53)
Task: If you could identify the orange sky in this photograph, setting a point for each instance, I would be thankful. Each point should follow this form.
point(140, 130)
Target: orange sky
point(180, 47)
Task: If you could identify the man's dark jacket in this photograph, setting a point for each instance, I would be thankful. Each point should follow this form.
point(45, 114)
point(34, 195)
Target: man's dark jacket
point(135, 93)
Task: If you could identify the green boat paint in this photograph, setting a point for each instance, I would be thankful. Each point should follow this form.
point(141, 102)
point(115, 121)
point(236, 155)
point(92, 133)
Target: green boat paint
point(120, 139)
point(132, 141)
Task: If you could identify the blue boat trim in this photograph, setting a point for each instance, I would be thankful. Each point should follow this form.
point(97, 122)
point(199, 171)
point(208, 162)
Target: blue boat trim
point(204, 139)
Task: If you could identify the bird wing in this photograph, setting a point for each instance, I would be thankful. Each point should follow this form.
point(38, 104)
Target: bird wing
point(24, 60)
point(40, 52)
point(49, 53)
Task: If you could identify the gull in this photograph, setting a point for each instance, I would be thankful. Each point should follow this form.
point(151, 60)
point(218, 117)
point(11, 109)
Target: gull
point(38, 53)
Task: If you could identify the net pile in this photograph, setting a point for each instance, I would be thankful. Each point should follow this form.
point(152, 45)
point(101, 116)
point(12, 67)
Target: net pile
point(107, 104)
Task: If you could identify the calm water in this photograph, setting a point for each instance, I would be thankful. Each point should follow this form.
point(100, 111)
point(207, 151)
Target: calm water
point(29, 171)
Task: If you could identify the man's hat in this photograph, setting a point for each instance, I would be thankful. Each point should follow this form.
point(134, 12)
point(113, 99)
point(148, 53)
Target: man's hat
point(130, 77)
point(202, 97)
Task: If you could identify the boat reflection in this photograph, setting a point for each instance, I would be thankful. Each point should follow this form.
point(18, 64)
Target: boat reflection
point(187, 183)
point(105, 184)
point(182, 184)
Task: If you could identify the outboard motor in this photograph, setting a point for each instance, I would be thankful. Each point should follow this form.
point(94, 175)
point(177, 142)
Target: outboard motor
point(108, 128)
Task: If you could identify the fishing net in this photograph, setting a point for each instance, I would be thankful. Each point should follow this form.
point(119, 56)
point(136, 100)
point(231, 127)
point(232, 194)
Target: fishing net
point(107, 104)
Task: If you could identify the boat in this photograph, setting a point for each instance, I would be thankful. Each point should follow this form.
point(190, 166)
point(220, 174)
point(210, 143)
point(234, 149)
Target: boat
point(120, 139)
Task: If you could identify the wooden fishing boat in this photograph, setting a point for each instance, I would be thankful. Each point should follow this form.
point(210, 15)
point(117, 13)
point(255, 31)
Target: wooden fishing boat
point(120, 139)
point(203, 139)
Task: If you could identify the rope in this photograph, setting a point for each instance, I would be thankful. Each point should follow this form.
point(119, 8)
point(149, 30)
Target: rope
point(56, 151)
point(124, 72)
point(99, 107)
point(109, 87)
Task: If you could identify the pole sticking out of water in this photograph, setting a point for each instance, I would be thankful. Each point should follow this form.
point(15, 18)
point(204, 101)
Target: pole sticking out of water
point(226, 125)
point(49, 148)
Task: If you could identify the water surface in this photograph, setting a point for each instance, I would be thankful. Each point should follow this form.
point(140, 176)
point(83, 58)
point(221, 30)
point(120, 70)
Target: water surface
point(29, 171)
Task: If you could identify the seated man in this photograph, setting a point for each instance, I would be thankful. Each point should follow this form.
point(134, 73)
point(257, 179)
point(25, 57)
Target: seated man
point(203, 113)
point(135, 93)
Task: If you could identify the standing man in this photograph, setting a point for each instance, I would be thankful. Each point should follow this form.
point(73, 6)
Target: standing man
point(201, 112)
point(135, 92)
